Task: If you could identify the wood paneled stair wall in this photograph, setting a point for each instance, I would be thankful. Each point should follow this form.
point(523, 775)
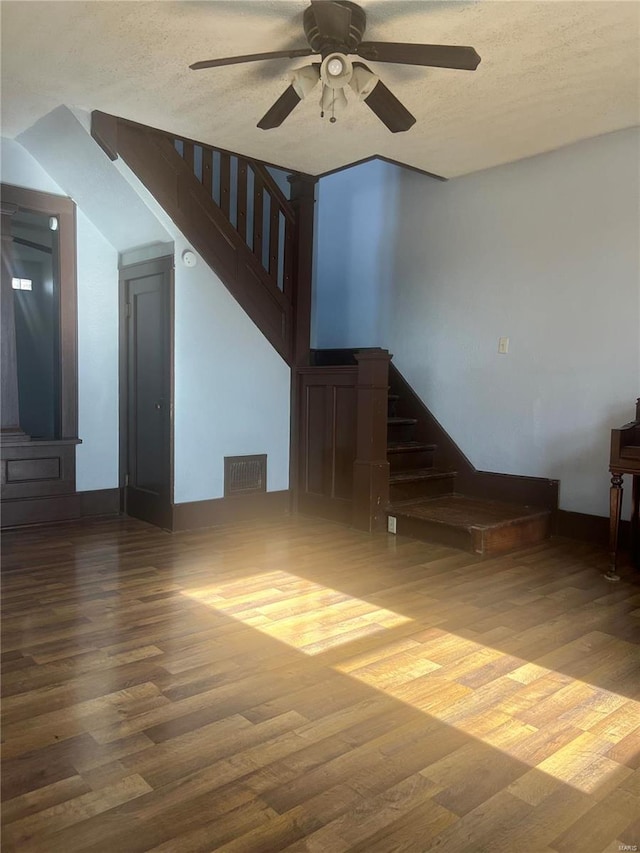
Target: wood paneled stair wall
point(436, 494)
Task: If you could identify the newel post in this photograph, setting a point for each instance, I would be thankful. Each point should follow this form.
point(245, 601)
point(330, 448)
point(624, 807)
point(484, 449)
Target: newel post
point(298, 283)
point(371, 468)
point(303, 200)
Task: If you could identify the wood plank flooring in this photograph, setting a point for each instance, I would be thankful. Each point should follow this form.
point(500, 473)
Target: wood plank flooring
point(300, 686)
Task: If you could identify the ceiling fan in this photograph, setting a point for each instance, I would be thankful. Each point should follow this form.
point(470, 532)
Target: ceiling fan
point(334, 30)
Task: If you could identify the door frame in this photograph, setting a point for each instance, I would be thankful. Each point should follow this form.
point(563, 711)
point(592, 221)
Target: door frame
point(164, 265)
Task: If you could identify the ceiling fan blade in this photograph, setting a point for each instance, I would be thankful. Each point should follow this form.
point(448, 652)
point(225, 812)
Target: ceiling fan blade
point(436, 55)
point(333, 20)
point(252, 57)
point(285, 105)
point(388, 108)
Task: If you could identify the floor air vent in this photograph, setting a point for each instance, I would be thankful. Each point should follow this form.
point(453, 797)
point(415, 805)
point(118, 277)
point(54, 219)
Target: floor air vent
point(244, 475)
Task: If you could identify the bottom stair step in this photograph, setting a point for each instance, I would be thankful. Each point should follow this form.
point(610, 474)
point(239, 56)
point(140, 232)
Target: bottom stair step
point(480, 526)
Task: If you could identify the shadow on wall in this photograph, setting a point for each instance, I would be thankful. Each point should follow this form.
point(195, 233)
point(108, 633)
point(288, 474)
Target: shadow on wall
point(357, 216)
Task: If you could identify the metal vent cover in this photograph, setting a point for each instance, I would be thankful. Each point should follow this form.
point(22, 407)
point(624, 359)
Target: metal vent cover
point(245, 475)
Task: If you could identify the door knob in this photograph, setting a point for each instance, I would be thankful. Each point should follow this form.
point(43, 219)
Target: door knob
point(158, 406)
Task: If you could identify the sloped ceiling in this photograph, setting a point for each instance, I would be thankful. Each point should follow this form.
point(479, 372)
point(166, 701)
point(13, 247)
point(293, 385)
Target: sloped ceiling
point(552, 73)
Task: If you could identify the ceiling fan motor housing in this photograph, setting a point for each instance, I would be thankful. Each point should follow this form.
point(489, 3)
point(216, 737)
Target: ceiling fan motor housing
point(324, 42)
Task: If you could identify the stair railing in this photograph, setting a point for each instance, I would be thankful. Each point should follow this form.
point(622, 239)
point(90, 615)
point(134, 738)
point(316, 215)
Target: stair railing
point(236, 215)
point(251, 200)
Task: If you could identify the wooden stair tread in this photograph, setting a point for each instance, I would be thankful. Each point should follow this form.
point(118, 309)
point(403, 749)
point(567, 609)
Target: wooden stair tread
point(420, 474)
point(466, 513)
point(403, 421)
point(409, 447)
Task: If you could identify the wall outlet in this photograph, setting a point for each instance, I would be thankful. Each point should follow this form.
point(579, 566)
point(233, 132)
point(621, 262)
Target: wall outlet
point(503, 345)
point(391, 524)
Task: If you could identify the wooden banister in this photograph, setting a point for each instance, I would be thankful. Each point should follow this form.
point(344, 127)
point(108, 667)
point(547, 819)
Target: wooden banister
point(268, 182)
point(267, 195)
point(274, 190)
point(258, 216)
point(225, 183)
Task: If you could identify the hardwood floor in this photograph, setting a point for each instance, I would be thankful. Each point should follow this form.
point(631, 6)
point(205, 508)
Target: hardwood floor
point(305, 687)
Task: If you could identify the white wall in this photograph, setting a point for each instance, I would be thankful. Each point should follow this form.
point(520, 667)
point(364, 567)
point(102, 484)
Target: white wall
point(98, 455)
point(231, 386)
point(18, 167)
point(61, 143)
point(545, 251)
point(97, 274)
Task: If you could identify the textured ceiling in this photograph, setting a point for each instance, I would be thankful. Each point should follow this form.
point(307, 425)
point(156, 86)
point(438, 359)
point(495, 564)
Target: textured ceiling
point(552, 72)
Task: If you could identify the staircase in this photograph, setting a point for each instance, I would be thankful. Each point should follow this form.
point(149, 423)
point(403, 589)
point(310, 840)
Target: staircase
point(425, 498)
point(352, 420)
point(233, 211)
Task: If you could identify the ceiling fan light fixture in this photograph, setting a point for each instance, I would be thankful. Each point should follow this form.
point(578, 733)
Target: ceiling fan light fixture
point(335, 67)
point(336, 70)
point(304, 80)
point(363, 82)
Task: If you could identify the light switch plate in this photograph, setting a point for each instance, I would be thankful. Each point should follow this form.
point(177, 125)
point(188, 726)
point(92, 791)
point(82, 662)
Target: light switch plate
point(503, 346)
point(391, 524)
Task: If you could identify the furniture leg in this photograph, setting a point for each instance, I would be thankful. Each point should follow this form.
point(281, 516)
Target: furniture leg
point(615, 506)
point(635, 514)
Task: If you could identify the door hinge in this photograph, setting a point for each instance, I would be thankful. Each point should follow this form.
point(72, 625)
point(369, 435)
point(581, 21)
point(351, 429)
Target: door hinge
point(126, 479)
point(127, 309)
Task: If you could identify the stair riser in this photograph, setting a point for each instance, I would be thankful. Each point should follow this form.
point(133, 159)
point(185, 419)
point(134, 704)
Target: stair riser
point(499, 540)
point(414, 459)
point(400, 432)
point(426, 531)
point(488, 542)
point(421, 489)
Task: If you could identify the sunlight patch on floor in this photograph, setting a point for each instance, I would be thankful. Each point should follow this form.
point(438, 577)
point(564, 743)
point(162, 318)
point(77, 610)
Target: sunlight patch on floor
point(306, 615)
point(510, 704)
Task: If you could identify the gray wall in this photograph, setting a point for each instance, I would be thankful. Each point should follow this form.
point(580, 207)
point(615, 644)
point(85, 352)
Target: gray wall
point(545, 251)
